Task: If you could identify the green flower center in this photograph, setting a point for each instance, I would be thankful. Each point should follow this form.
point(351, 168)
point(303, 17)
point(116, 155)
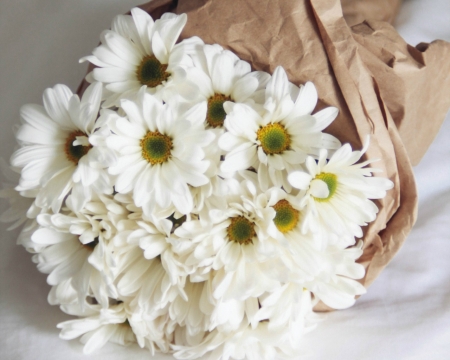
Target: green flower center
point(156, 147)
point(151, 72)
point(286, 217)
point(241, 230)
point(216, 114)
point(331, 181)
point(75, 153)
point(274, 138)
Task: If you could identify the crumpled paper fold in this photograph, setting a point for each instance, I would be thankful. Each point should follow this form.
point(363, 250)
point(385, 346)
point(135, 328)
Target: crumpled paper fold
point(356, 11)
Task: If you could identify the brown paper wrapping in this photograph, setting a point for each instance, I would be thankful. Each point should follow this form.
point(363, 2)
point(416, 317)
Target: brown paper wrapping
point(356, 11)
point(383, 87)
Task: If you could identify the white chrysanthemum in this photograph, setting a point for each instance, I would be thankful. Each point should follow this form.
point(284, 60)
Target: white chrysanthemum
point(329, 272)
point(194, 312)
point(25, 235)
point(79, 249)
point(236, 245)
point(153, 333)
point(337, 193)
point(288, 308)
point(56, 155)
point(160, 154)
point(65, 257)
point(221, 76)
point(155, 239)
point(99, 327)
point(147, 282)
point(336, 284)
point(259, 343)
point(280, 138)
point(210, 313)
point(22, 206)
point(138, 51)
point(64, 294)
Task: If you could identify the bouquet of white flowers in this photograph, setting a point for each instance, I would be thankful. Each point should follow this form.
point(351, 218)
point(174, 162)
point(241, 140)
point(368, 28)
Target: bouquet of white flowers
point(188, 203)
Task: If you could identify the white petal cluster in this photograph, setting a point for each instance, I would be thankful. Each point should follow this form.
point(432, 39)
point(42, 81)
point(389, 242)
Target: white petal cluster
point(187, 203)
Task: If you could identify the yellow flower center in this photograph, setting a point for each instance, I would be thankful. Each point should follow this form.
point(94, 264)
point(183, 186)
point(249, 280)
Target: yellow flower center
point(216, 114)
point(156, 147)
point(241, 230)
point(75, 153)
point(151, 72)
point(331, 181)
point(286, 217)
point(274, 138)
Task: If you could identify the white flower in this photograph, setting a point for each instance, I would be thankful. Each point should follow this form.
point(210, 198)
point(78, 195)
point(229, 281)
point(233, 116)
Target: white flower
point(21, 204)
point(280, 138)
point(235, 244)
point(56, 153)
point(65, 257)
point(155, 238)
point(153, 333)
point(138, 51)
point(329, 272)
point(147, 282)
point(194, 312)
point(288, 308)
point(201, 312)
point(78, 248)
point(336, 285)
point(160, 154)
point(202, 211)
point(25, 235)
point(64, 294)
point(221, 76)
point(101, 326)
point(337, 193)
point(259, 343)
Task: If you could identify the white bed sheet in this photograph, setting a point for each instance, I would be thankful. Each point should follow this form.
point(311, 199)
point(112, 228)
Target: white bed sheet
point(406, 313)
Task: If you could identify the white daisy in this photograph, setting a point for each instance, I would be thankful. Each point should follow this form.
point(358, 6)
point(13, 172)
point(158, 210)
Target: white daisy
point(337, 193)
point(102, 326)
point(138, 51)
point(235, 244)
point(288, 215)
point(278, 139)
point(311, 263)
point(160, 154)
point(221, 76)
point(56, 154)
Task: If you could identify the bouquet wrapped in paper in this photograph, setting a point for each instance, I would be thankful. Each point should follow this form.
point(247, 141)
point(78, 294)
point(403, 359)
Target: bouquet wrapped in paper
point(226, 170)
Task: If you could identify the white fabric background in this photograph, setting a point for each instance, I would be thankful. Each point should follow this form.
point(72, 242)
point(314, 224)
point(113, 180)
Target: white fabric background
point(406, 313)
